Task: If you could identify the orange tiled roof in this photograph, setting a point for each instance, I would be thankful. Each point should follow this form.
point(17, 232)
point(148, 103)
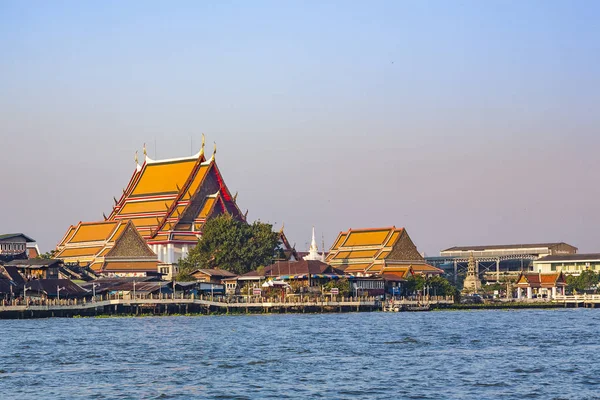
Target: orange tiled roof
point(375, 244)
point(356, 254)
point(355, 268)
point(93, 231)
point(537, 280)
point(426, 268)
point(101, 239)
point(163, 192)
point(366, 237)
point(163, 177)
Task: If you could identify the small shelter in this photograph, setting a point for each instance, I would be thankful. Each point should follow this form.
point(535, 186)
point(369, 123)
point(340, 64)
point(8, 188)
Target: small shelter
point(538, 284)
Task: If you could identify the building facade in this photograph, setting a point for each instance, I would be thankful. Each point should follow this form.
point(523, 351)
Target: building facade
point(14, 246)
point(570, 264)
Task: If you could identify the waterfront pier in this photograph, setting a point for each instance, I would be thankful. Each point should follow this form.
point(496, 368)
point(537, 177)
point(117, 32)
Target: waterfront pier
point(582, 300)
point(182, 304)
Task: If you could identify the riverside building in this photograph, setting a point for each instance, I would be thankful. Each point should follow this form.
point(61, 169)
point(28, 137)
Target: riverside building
point(492, 261)
point(170, 200)
point(570, 264)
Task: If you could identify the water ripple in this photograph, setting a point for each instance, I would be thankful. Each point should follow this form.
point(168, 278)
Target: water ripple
point(547, 354)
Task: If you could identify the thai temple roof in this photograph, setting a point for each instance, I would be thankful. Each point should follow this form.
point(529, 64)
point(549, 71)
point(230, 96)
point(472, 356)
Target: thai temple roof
point(170, 200)
point(378, 251)
point(106, 246)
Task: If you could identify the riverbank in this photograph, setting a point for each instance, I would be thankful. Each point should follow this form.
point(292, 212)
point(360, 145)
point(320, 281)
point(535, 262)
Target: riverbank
point(129, 309)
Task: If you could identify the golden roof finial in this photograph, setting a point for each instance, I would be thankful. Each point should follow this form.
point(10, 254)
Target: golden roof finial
point(246, 214)
point(202, 148)
point(282, 226)
point(145, 152)
point(215, 149)
point(235, 197)
point(136, 157)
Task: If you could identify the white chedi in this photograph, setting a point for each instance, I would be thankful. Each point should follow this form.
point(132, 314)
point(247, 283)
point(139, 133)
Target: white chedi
point(313, 251)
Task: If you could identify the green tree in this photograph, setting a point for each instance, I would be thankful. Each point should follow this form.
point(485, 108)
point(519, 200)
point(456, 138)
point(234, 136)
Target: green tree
point(233, 245)
point(436, 285)
point(47, 255)
point(342, 284)
point(586, 281)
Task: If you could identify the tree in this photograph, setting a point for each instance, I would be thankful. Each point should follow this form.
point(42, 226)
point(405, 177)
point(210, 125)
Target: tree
point(343, 284)
point(436, 285)
point(47, 255)
point(587, 280)
point(233, 245)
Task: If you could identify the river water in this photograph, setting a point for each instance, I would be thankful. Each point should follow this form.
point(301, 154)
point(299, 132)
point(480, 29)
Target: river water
point(545, 354)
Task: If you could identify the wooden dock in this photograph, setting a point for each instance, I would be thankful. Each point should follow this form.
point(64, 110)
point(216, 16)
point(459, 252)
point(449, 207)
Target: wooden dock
point(580, 300)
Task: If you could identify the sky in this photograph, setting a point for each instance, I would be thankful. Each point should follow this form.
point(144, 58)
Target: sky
point(466, 122)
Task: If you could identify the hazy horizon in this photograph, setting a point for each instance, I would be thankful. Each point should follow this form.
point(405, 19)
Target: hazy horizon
point(465, 122)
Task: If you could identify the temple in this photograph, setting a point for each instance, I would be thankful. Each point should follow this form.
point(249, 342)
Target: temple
point(285, 251)
point(170, 200)
point(111, 248)
point(378, 251)
point(313, 251)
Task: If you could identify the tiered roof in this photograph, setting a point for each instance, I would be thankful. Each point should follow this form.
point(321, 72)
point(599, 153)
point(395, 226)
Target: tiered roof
point(378, 251)
point(170, 200)
point(539, 280)
point(107, 246)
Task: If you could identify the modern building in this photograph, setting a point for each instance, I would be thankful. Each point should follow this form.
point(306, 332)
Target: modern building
point(109, 248)
point(492, 261)
point(570, 264)
point(170, 200)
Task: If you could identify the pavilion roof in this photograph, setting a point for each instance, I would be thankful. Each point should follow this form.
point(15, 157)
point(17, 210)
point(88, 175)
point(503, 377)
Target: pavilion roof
point(537, 279)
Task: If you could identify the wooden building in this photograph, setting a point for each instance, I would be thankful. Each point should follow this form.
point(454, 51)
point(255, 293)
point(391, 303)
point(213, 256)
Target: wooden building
point(170, 200)
point(54, 288)
point(306, 273)
point(109, 248)
point(13, 246)
point(37, 268)
point(214, 275)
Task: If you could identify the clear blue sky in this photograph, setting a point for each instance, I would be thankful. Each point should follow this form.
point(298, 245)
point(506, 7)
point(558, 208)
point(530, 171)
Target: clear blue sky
point(467, 122)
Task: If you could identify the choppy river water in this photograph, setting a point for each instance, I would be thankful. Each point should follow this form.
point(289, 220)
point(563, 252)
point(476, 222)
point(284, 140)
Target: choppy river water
point(546, 354)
